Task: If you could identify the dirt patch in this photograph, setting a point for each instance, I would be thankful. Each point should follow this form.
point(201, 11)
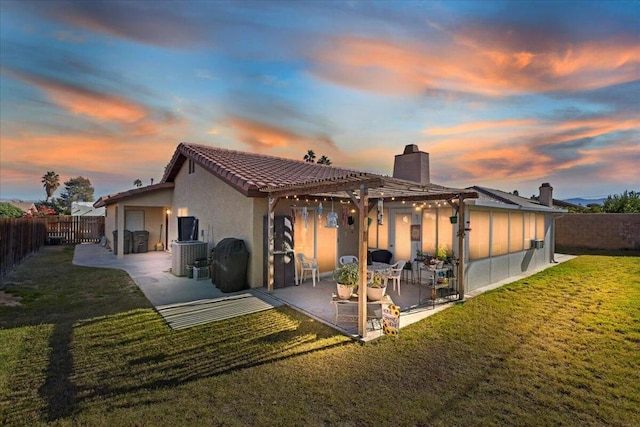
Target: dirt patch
point(9, 300)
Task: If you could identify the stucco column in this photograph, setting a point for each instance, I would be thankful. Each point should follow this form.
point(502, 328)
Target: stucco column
point(120, 228)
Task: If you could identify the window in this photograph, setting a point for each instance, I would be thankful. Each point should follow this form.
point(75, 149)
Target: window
point(540, 226)
point(479, 236)
point(516, 232)
point(192, 167)
point(529, 229)
point(499, 233)
point(378, 235)
point(445, 228)
point(429, 231)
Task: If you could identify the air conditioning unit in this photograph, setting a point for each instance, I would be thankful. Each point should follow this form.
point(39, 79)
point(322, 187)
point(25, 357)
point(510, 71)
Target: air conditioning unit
point(185, 253)
point(537, 243)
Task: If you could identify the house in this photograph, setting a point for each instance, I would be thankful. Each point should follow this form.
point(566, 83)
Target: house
point(509, 234)
point(86, 209)
point(29, 208)
point(278, 205)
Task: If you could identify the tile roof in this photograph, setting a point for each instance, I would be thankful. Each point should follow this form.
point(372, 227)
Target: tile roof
point(248, 172)
point(490, 194)
point(113, 198)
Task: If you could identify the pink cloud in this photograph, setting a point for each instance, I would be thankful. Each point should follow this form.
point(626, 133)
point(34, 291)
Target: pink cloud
point(394, 67)
point(81, 101)
point(265, 137)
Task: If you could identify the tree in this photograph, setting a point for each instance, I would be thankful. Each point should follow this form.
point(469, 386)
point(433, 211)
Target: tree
point(627, 202)
point(137, 183)
point(51, 182)
point(7, 210)
point(50, 208)
point(77, 189)
point(310, 157)
point(324, 160)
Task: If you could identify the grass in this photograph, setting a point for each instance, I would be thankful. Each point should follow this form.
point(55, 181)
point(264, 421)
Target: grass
point(560, 347)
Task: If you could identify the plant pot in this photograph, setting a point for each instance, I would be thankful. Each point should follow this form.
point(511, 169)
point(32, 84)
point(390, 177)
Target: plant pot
point(453, 219)
point(344, 291)
point(375, 294)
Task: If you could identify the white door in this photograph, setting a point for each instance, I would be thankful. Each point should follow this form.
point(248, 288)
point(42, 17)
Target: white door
point(134, 220)
point(400, 242)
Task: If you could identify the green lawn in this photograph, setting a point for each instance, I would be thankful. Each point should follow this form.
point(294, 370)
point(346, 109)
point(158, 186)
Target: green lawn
point(561, 347)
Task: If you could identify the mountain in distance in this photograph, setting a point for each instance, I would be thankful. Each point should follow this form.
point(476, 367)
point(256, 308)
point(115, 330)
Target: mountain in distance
point(584, 202)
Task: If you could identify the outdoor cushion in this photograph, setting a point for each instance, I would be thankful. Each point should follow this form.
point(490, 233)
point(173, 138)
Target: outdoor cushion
point(381, 255)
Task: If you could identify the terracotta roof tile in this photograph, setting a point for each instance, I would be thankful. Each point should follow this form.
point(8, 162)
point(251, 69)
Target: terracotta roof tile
point(248, 172)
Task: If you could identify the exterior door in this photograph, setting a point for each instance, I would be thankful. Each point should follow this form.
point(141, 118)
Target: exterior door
point(400, 242)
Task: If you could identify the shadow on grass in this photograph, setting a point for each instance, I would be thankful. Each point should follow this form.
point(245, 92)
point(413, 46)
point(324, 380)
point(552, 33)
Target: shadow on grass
point(108, 347)
point(122, 367)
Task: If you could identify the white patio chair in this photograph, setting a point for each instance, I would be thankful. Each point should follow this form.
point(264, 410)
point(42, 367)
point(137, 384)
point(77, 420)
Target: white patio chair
point(308, 264)
point(395, 274)
point(348, 259)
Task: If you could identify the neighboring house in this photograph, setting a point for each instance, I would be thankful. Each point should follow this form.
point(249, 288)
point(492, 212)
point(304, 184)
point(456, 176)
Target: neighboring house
point(86, 209)
point(29, 208)
point(231, 193)
point(509, 234)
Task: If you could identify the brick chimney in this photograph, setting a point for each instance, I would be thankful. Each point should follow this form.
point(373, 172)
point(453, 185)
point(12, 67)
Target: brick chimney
point(412, 165)
point(546, 194)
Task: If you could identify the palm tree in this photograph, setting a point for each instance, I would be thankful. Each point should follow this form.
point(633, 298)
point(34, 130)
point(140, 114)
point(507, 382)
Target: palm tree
point(324, 160)
point(137, 183)
point(51, 182)
point(310, 157)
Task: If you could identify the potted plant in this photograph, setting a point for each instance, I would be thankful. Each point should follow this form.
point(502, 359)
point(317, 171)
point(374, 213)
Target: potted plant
point(346, 277)
point(376, 288)
point(441, 255)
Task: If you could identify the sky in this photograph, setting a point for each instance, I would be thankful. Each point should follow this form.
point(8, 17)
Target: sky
point(505, 95)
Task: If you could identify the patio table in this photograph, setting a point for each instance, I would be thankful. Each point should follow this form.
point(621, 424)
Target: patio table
point(343, 305)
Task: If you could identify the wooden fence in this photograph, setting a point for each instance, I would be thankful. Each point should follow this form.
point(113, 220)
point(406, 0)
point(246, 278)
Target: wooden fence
point(19, 237)
point(74, 229)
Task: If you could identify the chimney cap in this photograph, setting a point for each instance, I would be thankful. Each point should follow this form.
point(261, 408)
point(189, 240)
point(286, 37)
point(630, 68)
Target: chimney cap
point(411, 148)
point(545, 184)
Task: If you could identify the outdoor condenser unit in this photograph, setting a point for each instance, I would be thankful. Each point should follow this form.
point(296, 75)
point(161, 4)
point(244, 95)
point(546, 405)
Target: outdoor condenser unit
point(185, 253)
point(537, 243)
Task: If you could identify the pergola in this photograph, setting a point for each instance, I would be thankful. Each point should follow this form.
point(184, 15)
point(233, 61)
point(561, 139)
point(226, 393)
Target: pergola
point(365, 189)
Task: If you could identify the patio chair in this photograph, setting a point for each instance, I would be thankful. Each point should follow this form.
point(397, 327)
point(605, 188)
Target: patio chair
point(395, 274)
point(348, 259)
point(308, 264)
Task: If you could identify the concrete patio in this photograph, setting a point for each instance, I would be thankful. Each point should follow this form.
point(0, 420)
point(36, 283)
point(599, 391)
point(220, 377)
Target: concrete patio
point(151, 272)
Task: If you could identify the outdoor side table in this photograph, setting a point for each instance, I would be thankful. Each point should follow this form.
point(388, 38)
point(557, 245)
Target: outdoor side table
point(345, 308)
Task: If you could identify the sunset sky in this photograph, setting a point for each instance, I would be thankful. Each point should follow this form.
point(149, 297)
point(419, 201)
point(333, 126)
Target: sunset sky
point(501, 94)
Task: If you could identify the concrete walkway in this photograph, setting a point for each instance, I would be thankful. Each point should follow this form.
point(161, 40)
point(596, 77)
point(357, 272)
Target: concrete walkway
point(151, 272)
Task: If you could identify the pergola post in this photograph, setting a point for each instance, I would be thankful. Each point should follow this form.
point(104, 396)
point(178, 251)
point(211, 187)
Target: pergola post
point(271, 242)
point(362, 256)
point(461, 251)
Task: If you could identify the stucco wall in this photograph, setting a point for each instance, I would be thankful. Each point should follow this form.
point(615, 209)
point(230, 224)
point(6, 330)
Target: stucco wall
point(153, 204)
point(485, 271)
point(598, 231)
point(222, 212)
